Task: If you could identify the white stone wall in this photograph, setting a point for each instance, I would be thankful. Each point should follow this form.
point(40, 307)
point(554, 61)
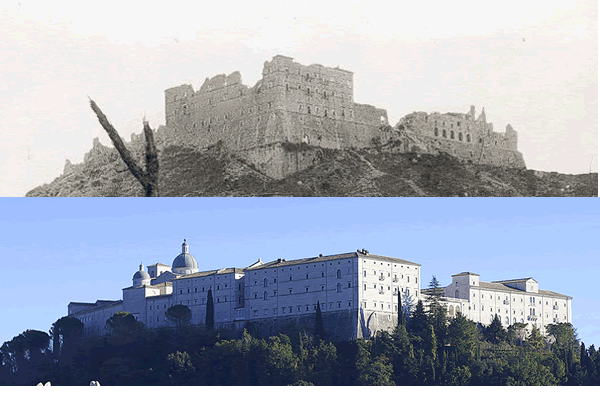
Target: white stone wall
point(480, 303)
point(295, 289)
point(379, 282)
point(94, 319)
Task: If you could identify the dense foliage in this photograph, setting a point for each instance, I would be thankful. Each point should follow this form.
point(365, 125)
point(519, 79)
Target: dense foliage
point(428, 349)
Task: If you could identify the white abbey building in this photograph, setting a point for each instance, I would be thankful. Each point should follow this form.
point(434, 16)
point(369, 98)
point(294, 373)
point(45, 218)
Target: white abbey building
point(515, 300)
point(357, 293)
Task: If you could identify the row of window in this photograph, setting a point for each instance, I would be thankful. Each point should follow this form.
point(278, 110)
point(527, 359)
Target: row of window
point(338, 275)
point(382, 276)
point(342, 81)
point(302, 309)
point(326, 112)
point(311, 92)
point(445, 135)
point(506, 301)
point(306, 290)
point(209, 288)
point(381, 306)
point(381, 290)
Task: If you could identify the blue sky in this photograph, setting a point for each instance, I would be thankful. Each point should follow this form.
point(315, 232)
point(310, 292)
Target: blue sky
point(54, 251)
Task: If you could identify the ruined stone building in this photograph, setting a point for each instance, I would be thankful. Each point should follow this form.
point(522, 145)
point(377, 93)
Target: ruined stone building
point(296, 104)
point(314, 104)
point(357, 293)
point(463, 136)
point(291, 103)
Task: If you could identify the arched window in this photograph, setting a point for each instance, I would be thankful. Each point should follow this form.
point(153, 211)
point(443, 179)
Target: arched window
point(514, 320)
point(451, 134)
point(460, 137)
point(506, 321)
point(435, 131)
point(266, 283)
point(339, 274)
point(456, 294)
point(451, 310)
point(265, 295)
point(339, 287)
point(443, 132)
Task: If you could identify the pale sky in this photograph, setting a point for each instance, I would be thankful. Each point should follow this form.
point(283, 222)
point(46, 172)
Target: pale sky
point(532, 64)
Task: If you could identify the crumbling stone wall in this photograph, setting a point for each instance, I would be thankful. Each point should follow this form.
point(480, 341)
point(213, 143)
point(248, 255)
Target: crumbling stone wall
point(462, 136)
point(291, 103)
point(296, 104)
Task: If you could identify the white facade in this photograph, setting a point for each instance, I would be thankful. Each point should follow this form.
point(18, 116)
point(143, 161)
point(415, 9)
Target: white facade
point(362, 285)
point(517, 300)
point(358, 282)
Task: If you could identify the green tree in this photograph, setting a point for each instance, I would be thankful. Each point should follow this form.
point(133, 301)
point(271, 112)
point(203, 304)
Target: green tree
point(319, 326)
point(403, 360)
point(528, 369)
point(419, 321)
point(282, 362)
point(27, 358)
point(210, 311)
point(566, 348)
point(517, 333)
point(179, 315)
point(431, 355)
point(535, 339)
point(435, 293)
point(124, 329)
point(495, 332)
point(65, 333)
point(179, 369)
point(379, 372)
point(401, 319)
point(462, 336)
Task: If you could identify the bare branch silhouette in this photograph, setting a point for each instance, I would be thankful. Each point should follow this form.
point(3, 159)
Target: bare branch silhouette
point(148, 178)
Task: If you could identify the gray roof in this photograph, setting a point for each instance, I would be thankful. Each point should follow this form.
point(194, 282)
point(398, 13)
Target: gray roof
point(466, 273)
point(321, 258)
point(185, 260)
point(99, 304)
point(500, 286)
point(514, 280)
point(141, 275)
point(213, 272)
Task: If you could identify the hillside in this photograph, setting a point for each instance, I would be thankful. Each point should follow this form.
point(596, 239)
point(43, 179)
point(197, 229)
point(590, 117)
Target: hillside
point(355, 173)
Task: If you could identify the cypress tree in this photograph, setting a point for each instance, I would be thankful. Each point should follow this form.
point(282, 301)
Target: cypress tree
point(401, 320)
point(319, 327)
point(210, 311)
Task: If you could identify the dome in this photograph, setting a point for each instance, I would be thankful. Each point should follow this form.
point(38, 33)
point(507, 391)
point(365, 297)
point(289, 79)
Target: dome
point(141, 275)
point(185, 263)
